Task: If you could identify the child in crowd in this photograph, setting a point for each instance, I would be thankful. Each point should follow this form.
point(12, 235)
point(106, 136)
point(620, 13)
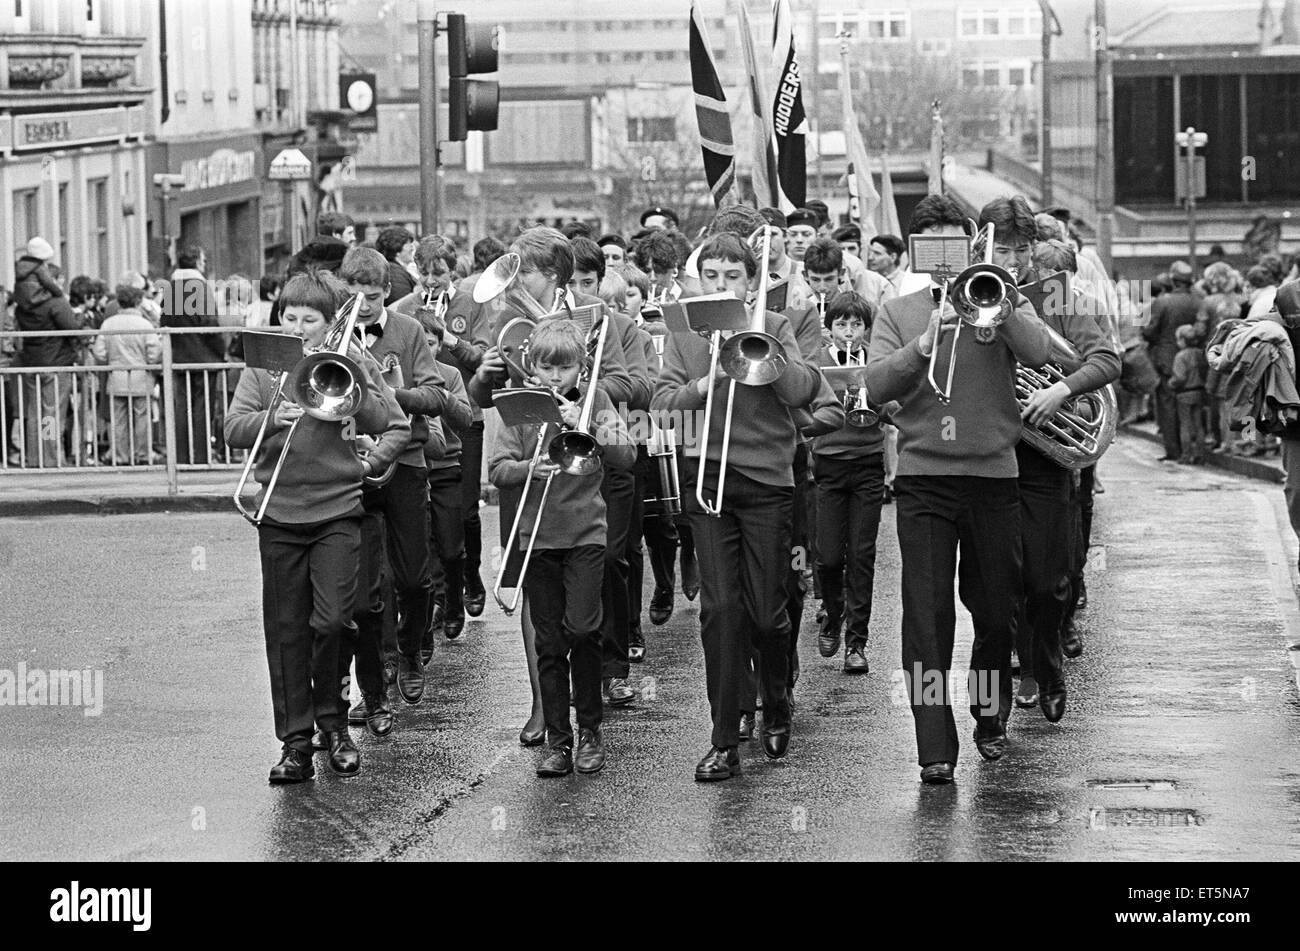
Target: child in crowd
point(1188, 384)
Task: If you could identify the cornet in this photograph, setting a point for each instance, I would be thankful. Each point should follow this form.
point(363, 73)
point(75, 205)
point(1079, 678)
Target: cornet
point(981, 296)
point(327, 384)
point(752, 357)
point(857, 411)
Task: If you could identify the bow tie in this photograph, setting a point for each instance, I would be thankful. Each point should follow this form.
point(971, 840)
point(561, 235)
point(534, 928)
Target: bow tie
point(373, 330)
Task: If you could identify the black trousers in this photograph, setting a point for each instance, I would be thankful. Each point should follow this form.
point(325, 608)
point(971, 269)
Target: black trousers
point(1080, 532)
point(1167, 418)
point(850, 493)
point(1047, 543)
point(744, 558)
point(404, 503)
point(309, 582)
point(365, 642)
point(446, 536)
point(471, 472)
point(618, 487)
point(659, 532)
point(936, 516)
point(564, 602)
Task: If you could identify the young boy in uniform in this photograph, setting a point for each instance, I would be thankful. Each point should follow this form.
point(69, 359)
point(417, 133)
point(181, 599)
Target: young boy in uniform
point(567, 569)
point(310, 538)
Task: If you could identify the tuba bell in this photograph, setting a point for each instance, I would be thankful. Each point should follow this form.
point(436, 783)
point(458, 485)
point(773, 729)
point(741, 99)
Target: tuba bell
point(1083, 428)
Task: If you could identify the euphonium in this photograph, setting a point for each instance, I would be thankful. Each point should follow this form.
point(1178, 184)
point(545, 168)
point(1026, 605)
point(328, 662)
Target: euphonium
point(1084, 427)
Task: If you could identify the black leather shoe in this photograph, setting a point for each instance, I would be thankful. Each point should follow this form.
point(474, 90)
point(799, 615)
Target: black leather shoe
point(855, 657)
point(617, 693)
point(991, 744)
point(1082, 601)
point(345, 758)
point(1052, 702)
point(529, 737)
point(474, 596)
point(379, 715)
point(1071, 643)
point(453, 625)
point(718, 764)
point(426, 655)
point(776, 740)
point(357, 715)
point(936, 774)
point(319, 742)
point(558, 761)
point(828, 634)
point(661, 606)
point(591, 752)
point(746, 727)
point(1027, 693)
point(635, 645)
point(294, 767)
point(410, 679)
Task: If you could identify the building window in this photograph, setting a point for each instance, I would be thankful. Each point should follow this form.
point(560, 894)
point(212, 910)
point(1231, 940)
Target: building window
point(998, 22)
point(27, 222)
point(98, 191)
point(936, 47)
point(653, 129)
point(893, 25)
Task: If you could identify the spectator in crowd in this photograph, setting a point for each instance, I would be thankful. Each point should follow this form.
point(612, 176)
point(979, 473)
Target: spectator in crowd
point(8, 384)
point(1188, 384)
point(1220, 415)
point(191, 303)
point(40, 304)
point(885, 257)
point(1261, 289)
point(614, 247)
point(335, 233)
point(129, 390)
point(397, 245)
point(258, 313)
point(849, 238)
point(576, 229)
point(463, 269)
point(660, 219)
point(1170, 311)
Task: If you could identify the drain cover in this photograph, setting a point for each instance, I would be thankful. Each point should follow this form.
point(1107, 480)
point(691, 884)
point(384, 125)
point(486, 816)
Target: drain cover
point(1132, 785)
point(1143, 818)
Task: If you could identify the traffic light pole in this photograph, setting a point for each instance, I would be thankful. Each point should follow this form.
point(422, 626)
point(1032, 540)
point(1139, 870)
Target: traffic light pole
point(1191, 198)
point(430, 147)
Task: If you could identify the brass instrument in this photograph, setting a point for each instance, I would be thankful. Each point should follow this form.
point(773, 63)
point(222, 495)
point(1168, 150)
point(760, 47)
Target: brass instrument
point(327, 384)
point(513, 537)
point(577, 451)
point(1081, 431)
point(857, 410)
point(752, 357)
point(500, 283)
point(982, 297)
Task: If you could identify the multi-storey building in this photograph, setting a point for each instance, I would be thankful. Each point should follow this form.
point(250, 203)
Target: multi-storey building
point(73, 94)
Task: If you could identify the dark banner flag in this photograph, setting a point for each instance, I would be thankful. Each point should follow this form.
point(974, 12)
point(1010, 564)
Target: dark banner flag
point(711, 112)
point(789, 121)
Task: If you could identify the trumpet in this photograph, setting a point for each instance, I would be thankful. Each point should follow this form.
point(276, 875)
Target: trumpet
point(327, 384)
point(821, 308)
point(513, 537)
point(981, 296)
point(752, 357)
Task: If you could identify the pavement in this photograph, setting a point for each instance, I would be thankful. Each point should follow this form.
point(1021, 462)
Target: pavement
point(1181, 740)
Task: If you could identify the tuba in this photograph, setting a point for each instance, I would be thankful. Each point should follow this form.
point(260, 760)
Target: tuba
point(1084, 427)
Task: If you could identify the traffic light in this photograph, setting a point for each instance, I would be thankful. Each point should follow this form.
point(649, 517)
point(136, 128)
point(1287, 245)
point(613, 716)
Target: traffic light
point(472, 102)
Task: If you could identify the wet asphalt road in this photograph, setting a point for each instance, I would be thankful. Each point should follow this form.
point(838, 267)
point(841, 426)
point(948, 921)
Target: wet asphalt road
point(1182, 739)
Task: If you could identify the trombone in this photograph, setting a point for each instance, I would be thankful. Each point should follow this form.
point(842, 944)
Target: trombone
point(981, 296)
point(577, 451)
point(327, 384)
point(513, 537)
point(752, 357)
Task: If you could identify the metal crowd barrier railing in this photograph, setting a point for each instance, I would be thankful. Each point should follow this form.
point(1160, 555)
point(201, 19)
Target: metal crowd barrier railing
point(57, 418)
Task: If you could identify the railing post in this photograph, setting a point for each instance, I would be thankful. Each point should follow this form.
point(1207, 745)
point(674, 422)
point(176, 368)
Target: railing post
point(169, 414)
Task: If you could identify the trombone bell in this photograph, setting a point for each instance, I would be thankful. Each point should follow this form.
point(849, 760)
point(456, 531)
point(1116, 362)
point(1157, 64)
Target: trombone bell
point(575, 452)
point(327, 386)
point(753, 357)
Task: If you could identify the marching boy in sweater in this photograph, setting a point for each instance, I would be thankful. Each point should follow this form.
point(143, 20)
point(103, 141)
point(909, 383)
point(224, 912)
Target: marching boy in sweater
point(956, 488)
point(568, 564)
point(850, 489)
point(310, 538)
point(744, 554)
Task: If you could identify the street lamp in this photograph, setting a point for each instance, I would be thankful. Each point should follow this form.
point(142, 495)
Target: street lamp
point(1051, 28)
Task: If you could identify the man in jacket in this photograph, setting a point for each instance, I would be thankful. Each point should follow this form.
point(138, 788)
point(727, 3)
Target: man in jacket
point(1168, 313)
point(40, 304)
point(191, 303)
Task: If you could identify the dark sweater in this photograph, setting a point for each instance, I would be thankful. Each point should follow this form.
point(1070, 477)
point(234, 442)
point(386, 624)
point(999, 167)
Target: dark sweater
point(847, 442)
point(575, 509)
point(975, 434)
point(1169, 312)
point(321, 478)
point(763, 431)
point(455, 419)
point(468, 322)
point(1189, 368)
point(39, 304)
point(807, 326)
point(409, 367)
